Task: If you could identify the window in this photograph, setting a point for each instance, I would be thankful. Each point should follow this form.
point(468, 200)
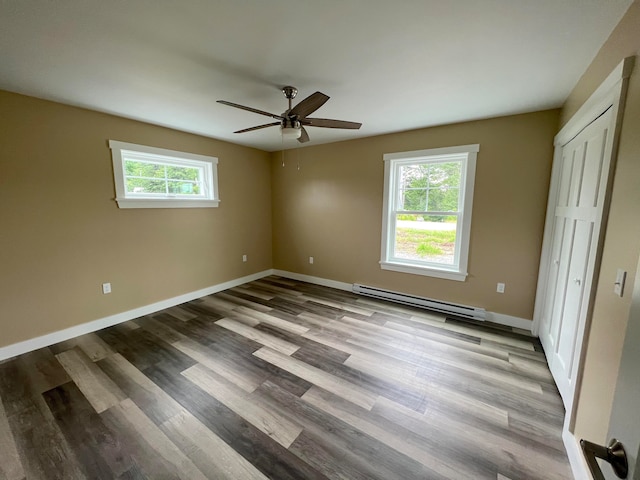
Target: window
point(426, 220)
point(149, 177)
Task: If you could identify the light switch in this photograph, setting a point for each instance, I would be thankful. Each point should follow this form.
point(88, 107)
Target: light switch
point(618, 286)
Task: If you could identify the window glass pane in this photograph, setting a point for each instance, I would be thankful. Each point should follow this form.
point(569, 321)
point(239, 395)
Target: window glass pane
point(413, 183)
point(134, 168)
point(426, 238)
point(414, 199)
point(145, 185)
point(444, 183)
point(182, 173)
point(431, 187)
point(183, 188)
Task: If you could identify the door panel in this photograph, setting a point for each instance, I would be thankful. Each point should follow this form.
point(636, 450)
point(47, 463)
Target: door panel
point(552, 284)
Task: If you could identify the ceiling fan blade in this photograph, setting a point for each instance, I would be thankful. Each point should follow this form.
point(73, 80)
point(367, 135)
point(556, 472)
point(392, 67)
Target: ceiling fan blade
point(249, 109)
point(309, 104)
point(304, 136)
point(258, 127)
point(328, 123)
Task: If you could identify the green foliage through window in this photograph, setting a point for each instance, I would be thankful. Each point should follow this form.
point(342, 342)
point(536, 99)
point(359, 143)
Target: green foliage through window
point(430, 187)
point(149, 178)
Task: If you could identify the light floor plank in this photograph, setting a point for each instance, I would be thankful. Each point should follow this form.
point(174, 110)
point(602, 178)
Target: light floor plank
point(215, 458)
point(277, 427)
point(99, 389)
point(271, 320)
point(181, 465)
point(230, 371)
point(256, 335)
point(338, 386)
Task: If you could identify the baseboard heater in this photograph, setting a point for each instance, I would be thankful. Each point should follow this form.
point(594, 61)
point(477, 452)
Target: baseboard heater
point(456, 309)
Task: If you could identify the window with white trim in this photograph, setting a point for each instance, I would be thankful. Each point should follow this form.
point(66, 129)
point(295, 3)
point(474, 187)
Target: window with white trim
point(150, 177)
point(428, 198)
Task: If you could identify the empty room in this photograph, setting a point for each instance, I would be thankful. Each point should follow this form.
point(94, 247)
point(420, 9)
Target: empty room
point(320, 240)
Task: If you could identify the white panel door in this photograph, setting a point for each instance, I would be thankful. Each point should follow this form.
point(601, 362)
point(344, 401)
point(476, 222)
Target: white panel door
point(577, 216)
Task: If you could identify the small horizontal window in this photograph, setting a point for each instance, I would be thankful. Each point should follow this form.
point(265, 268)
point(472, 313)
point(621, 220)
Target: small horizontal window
point(149, 177)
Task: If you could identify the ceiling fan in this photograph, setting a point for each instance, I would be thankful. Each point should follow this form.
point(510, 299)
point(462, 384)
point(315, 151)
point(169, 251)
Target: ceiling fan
point(293, 120)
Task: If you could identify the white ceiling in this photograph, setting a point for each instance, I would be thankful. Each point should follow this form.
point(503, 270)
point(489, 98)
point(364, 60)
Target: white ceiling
point(392, 65)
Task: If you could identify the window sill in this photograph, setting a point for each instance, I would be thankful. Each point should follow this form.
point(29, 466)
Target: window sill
point(165, 203)
point(426, 271)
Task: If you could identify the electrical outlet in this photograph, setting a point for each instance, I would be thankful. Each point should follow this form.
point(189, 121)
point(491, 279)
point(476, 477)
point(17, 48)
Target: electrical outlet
point(500, 288)
point(311, 260)
point(106, 288)
point(244, 258)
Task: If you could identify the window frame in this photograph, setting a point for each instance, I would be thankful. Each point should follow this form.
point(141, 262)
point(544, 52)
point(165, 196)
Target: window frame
point(467, 155)
point(122, 151)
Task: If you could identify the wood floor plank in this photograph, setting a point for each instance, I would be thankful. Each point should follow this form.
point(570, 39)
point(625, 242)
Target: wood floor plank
point(99, 389)
point(252, 293)
point(180, 313)
point(42, 369)
point(277, 427)
point(432, 390)
point(232, 371)
point(150, 398)
point(438, 466)
point(90, 344)
point(239, 300)
point(318, 377)
point(263, 338)
point(174, 460)
point(10, 464)
point(43, 449)
point(483, 335)
point(215, 458)
point(488, 368)
point(99, 449)
point(271, 320)
point(159, 325)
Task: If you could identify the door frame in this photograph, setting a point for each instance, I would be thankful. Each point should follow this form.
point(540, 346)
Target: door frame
point(610, 94)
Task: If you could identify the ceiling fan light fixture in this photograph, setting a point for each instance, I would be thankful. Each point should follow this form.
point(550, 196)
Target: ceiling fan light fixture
point(291, 133)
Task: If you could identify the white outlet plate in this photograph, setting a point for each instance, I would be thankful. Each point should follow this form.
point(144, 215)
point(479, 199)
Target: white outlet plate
point(244, 258)
point(500, 288)
point(106, 288)
point(311, 260)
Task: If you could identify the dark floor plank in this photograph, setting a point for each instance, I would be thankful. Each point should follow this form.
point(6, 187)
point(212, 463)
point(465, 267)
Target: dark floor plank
point(43, 450)
point(99, 449)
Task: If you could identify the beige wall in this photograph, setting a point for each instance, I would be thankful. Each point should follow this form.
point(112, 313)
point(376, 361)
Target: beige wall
point(62, 235)
point(622, 241)
point(331, 209)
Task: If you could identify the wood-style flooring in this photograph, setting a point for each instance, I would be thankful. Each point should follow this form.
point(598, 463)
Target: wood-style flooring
point(282, 379)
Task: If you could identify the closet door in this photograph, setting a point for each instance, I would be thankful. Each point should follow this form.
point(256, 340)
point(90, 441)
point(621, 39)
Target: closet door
point(578, 212)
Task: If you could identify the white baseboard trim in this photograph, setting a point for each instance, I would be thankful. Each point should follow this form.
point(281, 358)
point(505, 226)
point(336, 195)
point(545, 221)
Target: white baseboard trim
point(576, 458)
point(92, 326)
point(510, 321)
point(315, 280)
